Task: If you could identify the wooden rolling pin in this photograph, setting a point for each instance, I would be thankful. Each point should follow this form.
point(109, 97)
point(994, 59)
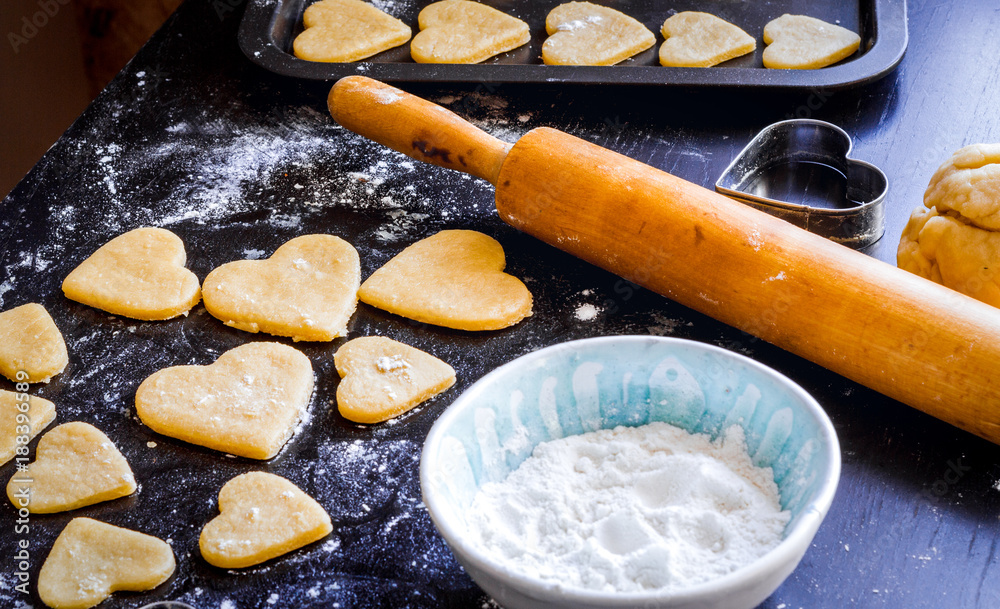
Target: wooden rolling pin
point(911, 339)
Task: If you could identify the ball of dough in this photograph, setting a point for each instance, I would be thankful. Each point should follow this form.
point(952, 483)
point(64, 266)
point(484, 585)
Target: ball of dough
point(954, 239)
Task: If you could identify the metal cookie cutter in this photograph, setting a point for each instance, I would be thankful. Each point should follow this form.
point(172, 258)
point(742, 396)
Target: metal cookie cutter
point(801, 171)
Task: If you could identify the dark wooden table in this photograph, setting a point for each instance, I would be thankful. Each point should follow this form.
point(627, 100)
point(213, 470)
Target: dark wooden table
point(193, 137)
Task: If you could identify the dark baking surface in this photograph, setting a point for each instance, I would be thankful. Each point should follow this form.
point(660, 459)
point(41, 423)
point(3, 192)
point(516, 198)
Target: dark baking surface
point(236, 160)
point(270, 26)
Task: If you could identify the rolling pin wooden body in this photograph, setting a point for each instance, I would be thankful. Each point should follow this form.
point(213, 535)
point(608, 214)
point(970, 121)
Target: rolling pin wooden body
point(906, 337)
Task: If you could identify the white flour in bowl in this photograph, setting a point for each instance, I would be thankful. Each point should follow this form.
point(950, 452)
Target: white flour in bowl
point(631, 509)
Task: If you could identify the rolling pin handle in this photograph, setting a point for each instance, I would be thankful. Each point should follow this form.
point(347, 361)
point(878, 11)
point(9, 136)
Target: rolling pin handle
point(416, 127)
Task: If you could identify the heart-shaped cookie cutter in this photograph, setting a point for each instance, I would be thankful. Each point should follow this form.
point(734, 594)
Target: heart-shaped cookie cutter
point(788, 159)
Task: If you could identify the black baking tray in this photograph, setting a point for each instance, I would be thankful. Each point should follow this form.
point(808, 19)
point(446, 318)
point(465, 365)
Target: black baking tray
point(270, 26)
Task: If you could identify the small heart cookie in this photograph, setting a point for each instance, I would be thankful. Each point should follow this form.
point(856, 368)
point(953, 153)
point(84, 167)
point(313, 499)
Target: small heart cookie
point(797, 42)
point(91, 559)
point(32, 349)
point(75, 465)
point(700, 40)
point(347, 30)
point(261, 516)
point(585, 34)
point(21, 416)
point(383, 378)
point(460, 31)
point(307, 290)
point(453, 279)
point(139, 274)
point(247, 403)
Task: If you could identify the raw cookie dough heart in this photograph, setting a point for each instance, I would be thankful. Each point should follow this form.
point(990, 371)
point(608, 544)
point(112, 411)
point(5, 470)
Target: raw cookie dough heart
point(247, 403)
point(453, 279)
point(347, 30)
point(91, 559)
point(139, 274)
point(261, 516)
point(700, 40)
point(797, 42)
point(307, 290)
point(75, 465)
point(459, 31)
point(32, 349)
point(585, 34)
point(383, 378)
point(21, 416)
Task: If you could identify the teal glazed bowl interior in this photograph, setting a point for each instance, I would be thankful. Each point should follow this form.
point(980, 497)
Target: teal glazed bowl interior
point(601, 383)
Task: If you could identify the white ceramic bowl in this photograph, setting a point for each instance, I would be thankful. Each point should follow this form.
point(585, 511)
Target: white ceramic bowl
point(600, 383)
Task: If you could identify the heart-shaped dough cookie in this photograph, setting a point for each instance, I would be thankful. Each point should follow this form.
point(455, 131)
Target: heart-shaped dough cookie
point(797, 42)
point(247, 403)
point(700, 40)
point(139, 274)
point(460, 31)
point(347, 30)
point(75, 465)
point(383, 378)
point(453, 279)
point(585, 34)
point(307, 290)
point(21, 416)
point(91, 559)
point(261, 516)
point(32, 349)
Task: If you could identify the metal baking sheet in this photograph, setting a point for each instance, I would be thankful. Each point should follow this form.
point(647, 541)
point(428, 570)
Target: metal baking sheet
point(270, 26)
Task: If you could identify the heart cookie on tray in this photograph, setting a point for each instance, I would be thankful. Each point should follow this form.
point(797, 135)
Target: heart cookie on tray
point(261, 516)
point(701, 40)
point(798, 42)
point(307, 290)
point(91, 559)
point(247, 403)
point(383, 378)
point(453, 279)
point(347, 30)
point(460, 31)
point(585, 34)
point(139, 274)
point(32, 349)
point(75, 465)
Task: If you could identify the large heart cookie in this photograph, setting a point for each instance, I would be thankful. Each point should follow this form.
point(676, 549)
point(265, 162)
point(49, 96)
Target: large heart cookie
point(700, 40)
point(91, 559)
point(460, 31)
point(247, 403)
point(383, 378)
point(307, 290)
point(22, 417)
point(347, 30)
point(139, 274)
point(75, 465)
point(261, 516)
point(585, 34)
point(453, 279)
point(32, 349)
point(797, 42)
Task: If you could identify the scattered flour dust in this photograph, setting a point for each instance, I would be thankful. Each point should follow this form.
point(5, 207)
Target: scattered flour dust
point(586, 312)
point(631, 509)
